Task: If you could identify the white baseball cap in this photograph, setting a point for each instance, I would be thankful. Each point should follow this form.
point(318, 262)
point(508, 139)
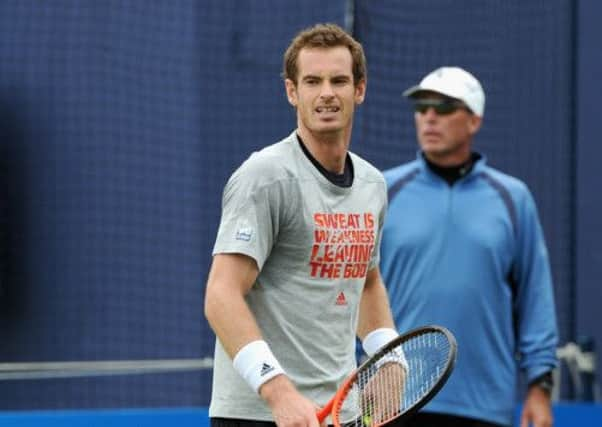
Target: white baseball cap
point(454, 82)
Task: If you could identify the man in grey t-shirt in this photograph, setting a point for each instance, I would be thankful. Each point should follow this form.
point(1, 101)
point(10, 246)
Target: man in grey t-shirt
point(295, 271)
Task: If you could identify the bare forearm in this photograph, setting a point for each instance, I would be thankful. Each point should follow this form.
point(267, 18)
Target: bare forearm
point(232, 321)
point(230, 279)
point(375, 311)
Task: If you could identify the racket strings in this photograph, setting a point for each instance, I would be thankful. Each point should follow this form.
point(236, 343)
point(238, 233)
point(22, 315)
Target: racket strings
point(385, 389)
point(428, 357)
point(377, 391)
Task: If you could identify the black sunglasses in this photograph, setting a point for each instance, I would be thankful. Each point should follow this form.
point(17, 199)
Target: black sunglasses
point(441, 106)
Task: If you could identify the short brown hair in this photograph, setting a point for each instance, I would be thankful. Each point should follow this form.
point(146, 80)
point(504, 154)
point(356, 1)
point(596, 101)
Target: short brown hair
point(324, 36)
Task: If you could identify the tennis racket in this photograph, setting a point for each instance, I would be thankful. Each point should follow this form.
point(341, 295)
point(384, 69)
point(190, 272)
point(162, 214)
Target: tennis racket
point(381, 389)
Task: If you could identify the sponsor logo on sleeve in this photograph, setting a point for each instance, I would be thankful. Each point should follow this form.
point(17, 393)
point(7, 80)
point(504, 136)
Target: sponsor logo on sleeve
point(244, 234)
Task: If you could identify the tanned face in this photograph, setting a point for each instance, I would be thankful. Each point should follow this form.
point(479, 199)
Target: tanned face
point(324, 94)
point(445, 139)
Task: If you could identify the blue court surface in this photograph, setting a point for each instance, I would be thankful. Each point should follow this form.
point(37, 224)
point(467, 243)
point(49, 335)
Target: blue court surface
point(565, 415)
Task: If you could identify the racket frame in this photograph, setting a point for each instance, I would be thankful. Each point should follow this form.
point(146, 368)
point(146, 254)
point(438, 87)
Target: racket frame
point(333, 407)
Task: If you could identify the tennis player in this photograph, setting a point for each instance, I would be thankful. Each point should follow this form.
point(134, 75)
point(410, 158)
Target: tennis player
point(463, 248)
point(295, 270)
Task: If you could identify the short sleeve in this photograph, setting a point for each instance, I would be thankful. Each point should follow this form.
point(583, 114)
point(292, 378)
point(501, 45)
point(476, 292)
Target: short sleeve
point(249, 207)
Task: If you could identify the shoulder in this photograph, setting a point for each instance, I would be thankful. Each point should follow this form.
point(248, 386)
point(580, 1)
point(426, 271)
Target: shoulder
point(515, 193)
point(516, 187)
point(266, 166)
point(403, 172)
point(366, 171)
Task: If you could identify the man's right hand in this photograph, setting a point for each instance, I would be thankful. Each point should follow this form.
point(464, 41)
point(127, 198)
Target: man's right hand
point(289, 407)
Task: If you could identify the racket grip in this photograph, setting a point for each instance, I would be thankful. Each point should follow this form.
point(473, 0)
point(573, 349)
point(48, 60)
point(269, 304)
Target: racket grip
point(321, 414)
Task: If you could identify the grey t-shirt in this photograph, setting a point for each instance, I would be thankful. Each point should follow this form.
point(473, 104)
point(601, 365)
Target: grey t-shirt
point(313, 243)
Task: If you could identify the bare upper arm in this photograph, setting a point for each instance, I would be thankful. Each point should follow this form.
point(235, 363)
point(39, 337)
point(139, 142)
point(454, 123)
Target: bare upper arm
point(235, 272)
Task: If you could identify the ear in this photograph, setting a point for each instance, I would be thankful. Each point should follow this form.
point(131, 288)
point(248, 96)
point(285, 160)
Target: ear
point(291, 92)
point(360, 91)
point(474, 124)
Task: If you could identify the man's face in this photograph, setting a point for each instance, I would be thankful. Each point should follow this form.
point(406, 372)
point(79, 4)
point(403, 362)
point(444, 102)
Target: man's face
point(444, 138)
point(324, 95)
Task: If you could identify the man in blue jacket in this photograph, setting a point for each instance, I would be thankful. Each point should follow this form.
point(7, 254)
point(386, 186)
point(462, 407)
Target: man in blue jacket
point(463, 247)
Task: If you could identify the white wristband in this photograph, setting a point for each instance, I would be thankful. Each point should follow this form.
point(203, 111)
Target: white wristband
point(377, 339)
point(256, 363)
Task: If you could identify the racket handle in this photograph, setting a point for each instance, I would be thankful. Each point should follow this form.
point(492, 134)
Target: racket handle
point(325, 411)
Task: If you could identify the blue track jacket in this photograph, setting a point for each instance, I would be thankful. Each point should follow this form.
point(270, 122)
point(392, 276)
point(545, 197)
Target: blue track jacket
point(472, 257)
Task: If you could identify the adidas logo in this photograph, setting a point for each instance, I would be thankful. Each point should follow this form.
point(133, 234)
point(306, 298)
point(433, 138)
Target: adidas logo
point(341, 300)
point(266, 369)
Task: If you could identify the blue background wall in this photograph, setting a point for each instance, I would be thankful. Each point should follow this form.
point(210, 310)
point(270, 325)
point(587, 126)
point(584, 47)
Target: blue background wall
point(121, 120)
point(588, 209)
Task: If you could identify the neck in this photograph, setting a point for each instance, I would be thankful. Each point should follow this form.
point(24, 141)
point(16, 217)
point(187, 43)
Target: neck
point(449, 161)
point(451, 174)
point(330, 150)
